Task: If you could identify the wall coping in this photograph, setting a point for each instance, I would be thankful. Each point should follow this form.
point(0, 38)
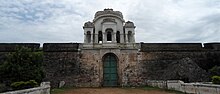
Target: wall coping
point(44, 86)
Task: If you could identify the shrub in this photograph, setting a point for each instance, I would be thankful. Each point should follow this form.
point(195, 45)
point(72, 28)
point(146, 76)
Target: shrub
point(3, 87)
point(24, 85)
point(215, 70)
point(216, 79)
point(22, 65)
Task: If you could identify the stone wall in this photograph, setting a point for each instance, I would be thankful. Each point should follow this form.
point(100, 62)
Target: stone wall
point(145, 47)
point(62, 63)
point(44, 88)
point(191, 88)
point(73, 65)
point(9, 47)
point(84, 67)
point(187, 62)
point(126, 68)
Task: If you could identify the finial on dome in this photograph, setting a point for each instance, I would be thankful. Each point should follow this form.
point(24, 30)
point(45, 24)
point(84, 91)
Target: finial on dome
point(108, 9)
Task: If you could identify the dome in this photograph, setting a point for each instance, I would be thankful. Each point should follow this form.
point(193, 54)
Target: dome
point(129, 24)
point(107, 12)
point(88, 25)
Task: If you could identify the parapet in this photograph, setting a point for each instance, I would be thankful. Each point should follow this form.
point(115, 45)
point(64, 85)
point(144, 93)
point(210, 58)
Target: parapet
point(88, 25)
point(214, 46)
point(10, 47)
point(60, 47)
point(170, 47)
point(129, 24)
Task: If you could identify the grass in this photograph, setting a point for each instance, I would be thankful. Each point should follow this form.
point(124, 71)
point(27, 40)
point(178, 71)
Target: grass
point(147, 88)
point(60, 90)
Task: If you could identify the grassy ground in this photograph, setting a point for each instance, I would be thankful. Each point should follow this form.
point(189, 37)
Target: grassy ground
point(61, 90)
point(147, 88)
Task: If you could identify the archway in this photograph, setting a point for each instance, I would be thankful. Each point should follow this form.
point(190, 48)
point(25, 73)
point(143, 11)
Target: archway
point(100, 37)
point(129, 36)
point(109, 34)
point(110, 75)
point(88, 36)
point(118, 36)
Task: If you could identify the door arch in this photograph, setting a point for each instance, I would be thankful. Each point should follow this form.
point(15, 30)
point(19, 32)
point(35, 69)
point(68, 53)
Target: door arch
point(110, 74)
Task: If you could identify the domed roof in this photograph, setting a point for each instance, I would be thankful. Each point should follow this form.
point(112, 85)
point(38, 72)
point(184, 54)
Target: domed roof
point(88, 25)
point(107, 12)
point(129, 24)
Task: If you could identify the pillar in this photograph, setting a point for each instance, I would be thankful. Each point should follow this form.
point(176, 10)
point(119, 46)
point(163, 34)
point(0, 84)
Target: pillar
point(126, 38)
point(104, 39)
point(113, 37)
point(91, 37)
point(133, 39)
point(96, 38)
point(122, 40)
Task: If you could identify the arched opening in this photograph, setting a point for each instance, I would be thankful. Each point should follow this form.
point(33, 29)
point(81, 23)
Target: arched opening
point(109, 34)
point(110, 75)
point(129, 36)
point(100, 37)
point(118, 37)
point(88, 36)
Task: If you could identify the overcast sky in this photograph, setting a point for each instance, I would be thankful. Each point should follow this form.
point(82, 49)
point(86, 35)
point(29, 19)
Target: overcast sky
point(158, 21)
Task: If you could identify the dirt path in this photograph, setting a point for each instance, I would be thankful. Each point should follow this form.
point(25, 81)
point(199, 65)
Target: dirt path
point(114, 91)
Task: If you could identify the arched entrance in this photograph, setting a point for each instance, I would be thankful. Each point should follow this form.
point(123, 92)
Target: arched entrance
point(110, 75)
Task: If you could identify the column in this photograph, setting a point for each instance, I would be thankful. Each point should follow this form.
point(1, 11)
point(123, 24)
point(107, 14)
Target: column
point(126, 38)
point(113, 37)
point(103, 37)
point(121, 38)
point(91, 37)
point(133, 39)
point(96, 38)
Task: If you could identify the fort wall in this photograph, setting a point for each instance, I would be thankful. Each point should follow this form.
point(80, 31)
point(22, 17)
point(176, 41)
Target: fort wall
point(189, 62)
point(70, 63)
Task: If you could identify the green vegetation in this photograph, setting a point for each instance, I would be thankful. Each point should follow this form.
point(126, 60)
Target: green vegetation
point(3, 88)
point(216, 79)
point(61, 90)
point(24, 85)
point(215, 70)
point(22, 65)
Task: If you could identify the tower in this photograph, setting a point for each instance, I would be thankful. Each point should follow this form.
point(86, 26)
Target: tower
point(109, 47)
point(109, 30)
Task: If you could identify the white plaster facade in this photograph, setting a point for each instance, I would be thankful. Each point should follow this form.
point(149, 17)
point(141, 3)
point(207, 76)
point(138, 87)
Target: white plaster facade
point(109, 30)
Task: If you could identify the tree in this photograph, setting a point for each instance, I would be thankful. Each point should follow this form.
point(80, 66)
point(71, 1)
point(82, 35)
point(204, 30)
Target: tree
point(215, 71)
point(22, 65)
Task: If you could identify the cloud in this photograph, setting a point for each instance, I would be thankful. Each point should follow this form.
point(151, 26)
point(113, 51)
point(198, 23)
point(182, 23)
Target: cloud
point(176, 21)
point(156, 21)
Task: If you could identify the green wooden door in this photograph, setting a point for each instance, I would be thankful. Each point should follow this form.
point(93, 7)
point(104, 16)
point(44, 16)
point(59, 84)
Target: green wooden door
point(110, 71)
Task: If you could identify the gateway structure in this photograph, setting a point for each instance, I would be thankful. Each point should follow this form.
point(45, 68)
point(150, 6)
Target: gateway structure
point(109, 40)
